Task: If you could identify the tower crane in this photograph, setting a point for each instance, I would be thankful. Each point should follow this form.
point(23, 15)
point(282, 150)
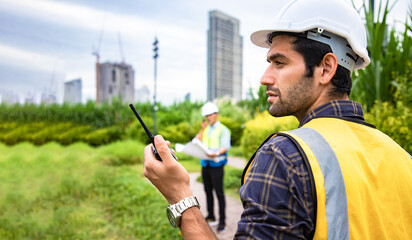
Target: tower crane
point(97, 54)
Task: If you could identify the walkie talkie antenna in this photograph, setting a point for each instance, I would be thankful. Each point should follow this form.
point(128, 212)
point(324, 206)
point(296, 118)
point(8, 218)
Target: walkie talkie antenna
point(141, 122)
point(150, 135)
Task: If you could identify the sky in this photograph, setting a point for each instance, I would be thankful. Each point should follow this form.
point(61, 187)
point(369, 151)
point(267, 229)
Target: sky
point(44, 43)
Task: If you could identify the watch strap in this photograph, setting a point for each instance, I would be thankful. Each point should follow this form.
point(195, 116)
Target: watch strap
point(186, 203)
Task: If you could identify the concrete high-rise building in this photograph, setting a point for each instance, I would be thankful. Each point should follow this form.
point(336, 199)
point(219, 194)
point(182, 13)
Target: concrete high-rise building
point(224, 57)
point(116, 80)
point(73, 91)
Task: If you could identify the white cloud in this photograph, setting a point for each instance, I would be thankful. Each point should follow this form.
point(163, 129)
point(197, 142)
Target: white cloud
point(11, 56)
point(84, 17)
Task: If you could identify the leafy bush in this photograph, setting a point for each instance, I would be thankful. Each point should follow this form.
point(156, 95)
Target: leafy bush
point(395, 119)
point(6, 127)
point(236, 112)
point(236, 129)
point(232, 178)
point(20, 132)
point(176, 113)
point(258, 129)
point(102, 136)
point(74, 134)
point(135, 130)
point(49, 132)
point(180, 133)
point(65, 133)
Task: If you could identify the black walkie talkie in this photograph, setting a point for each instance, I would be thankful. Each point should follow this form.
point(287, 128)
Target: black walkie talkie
point(149, 134)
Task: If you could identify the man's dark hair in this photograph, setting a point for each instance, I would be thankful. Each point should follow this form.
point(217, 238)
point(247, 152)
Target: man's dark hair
point(313, 53)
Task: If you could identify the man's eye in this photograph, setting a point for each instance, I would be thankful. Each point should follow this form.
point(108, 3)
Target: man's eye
point(278, 62)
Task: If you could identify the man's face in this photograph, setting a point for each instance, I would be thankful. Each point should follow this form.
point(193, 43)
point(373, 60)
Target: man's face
point(211, 118)
point(290, 92)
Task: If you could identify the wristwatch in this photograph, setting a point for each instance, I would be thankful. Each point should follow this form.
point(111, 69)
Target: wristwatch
point(174, 211)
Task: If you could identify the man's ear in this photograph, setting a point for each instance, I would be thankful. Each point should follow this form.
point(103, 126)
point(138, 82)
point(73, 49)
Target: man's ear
point(328, 67)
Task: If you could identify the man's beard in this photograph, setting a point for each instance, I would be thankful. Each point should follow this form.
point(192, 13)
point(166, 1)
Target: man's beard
point(293, 100)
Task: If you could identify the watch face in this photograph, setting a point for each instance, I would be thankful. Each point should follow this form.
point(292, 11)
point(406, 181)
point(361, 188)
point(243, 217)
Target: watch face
point(172, 217)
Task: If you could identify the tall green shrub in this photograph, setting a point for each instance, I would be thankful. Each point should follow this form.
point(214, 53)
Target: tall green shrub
point(258, 129)
point(388, 53)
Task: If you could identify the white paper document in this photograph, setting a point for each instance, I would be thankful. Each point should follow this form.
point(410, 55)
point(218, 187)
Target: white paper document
point(194, 148)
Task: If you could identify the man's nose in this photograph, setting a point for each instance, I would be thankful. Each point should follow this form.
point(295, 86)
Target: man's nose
point(268, 77)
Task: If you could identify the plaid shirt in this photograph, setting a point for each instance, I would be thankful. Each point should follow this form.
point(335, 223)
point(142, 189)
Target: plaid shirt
point(277, 195)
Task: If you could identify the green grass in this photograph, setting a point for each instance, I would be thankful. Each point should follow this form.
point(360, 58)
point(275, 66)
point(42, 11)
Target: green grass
point(79, 192)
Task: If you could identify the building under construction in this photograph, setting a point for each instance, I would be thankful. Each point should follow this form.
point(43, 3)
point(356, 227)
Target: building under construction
point(114, 80)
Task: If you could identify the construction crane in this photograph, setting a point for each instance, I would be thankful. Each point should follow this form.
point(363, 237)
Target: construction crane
point(97, 54)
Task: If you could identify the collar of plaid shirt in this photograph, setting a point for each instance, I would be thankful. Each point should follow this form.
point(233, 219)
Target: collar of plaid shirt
point(336, 108)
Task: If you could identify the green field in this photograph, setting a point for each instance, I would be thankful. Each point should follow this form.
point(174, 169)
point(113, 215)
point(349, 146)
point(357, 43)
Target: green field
point(79, 192)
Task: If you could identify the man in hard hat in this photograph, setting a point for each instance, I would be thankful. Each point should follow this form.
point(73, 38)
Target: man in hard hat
point(216, 137)
point(336, 176)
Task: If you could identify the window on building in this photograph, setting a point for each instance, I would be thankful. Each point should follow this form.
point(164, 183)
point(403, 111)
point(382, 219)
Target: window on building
point(114, 75)
point(126, 77)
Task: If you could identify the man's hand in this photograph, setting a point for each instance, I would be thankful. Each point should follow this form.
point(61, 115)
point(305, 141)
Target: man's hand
point(211, 154)
point(173, 181)
point(204, 124)
point(217, 153)
point(168, 176)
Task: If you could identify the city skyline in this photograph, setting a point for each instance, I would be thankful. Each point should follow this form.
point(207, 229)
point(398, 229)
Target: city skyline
point(44, 43)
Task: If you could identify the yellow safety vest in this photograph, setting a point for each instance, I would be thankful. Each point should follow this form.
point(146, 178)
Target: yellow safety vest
point(363, 180)
point(212, 141)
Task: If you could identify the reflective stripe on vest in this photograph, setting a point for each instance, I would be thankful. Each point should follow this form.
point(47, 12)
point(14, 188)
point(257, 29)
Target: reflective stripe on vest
point(336, 201)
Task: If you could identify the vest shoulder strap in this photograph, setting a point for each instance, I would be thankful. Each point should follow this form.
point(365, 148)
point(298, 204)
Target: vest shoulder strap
point(336, 202)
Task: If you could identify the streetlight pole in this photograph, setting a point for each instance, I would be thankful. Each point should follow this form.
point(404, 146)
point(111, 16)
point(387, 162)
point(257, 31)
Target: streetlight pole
point(155, 56)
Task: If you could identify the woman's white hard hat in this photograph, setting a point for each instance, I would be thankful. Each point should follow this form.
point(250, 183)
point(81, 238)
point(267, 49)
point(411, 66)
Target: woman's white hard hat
point(209, 108)
point(333, 22)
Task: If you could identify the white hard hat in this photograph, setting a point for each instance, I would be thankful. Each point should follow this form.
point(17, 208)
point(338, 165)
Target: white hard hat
point(209, 108)
point(333, 22)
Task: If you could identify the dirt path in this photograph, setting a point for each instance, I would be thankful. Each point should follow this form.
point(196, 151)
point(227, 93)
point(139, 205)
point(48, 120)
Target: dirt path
point(233, 205)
